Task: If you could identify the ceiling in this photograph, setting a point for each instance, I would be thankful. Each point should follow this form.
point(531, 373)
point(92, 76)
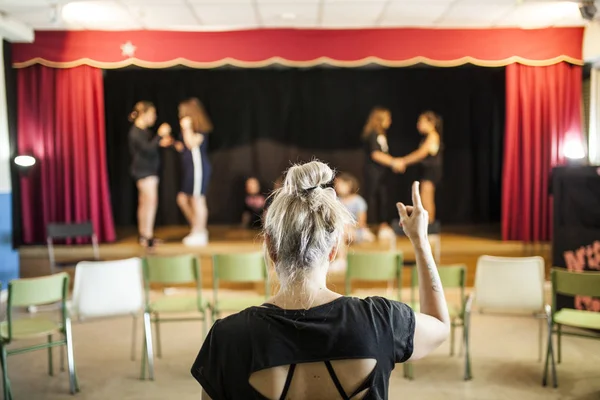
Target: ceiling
point(215, 15)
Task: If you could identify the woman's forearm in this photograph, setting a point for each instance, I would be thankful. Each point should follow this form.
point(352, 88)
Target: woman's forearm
point(382, 158)
point(431, 293)
point(414, 157)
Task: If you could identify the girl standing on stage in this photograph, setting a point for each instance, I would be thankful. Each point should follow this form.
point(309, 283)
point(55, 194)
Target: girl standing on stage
point(429, 156)
point(143, 146)
point(196, 169)
point(378, 163)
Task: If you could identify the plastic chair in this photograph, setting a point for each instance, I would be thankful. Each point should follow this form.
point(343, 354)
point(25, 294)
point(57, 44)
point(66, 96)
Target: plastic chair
point(177, 270)
point(507, 284)
point(571, 284)
point(105, 289)
point(375, 267)
point(37, 291)
point(452, 277)
point(70, 231)
point(238, 268)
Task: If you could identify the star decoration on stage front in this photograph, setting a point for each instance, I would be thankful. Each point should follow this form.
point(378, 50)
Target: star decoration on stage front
point(128, 49)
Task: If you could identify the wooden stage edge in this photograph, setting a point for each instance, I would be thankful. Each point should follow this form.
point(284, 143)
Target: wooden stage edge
point(459, 245)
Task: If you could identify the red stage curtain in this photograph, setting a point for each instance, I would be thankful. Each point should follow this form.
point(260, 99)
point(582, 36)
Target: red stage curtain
point(543, 112)
point(61, 123)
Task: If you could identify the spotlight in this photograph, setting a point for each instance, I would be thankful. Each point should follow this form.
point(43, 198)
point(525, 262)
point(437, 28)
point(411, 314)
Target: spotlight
point(588, 10)
point(574, 152)
point(25, 161)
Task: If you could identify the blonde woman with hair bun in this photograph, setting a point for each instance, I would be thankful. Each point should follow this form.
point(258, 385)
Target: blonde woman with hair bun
point(307, 341)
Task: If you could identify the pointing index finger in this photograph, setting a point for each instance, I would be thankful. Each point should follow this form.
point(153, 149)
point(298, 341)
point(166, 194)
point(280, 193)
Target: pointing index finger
point(416, 196)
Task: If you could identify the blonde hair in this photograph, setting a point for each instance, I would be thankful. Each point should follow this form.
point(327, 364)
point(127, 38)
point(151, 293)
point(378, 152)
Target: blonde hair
point(305, 221)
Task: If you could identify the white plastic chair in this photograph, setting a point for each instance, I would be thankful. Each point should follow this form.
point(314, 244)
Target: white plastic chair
point(507, 285)
point(105, 289)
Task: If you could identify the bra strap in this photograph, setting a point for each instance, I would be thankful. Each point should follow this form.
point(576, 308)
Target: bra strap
point(336, 381)
point(288, 381)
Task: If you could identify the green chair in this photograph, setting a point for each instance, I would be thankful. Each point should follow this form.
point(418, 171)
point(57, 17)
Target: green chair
point(452, 277)
point(176, 271)
point(375, 267)
point(571, 284)
point(238, 268)
point(34, 292)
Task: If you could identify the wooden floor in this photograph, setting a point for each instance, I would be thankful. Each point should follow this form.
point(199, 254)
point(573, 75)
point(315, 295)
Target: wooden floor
point(459, 245)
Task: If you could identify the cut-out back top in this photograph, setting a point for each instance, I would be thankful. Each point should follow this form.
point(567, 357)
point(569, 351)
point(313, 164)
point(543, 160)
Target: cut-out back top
point(260, 338)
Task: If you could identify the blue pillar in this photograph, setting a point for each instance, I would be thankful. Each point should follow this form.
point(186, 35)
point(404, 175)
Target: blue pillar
point(9, 258)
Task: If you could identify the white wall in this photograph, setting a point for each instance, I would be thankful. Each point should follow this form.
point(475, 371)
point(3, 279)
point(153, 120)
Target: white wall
point(591, 42)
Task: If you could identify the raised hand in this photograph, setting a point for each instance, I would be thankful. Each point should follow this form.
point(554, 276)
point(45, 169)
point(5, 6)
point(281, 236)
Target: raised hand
point(414, 219)
point(164, 130)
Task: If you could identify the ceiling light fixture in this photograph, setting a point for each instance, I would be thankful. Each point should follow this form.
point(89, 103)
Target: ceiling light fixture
point(288, 16)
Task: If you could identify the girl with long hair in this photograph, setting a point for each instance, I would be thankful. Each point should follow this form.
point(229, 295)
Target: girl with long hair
point(196, 169)
point(429, 158)
point(378, 163)
point(144, 149)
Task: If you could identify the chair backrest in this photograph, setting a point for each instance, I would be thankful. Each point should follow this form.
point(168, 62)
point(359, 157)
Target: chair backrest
point(240, 267)
point(510, 283)
point(37, 291)
point(375, 267)
point(172, 270)
point(69, 230)
point(108, 288)
point(575, 283)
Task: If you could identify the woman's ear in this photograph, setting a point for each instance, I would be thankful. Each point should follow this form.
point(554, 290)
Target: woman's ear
point(333, 253)
point(270, 249)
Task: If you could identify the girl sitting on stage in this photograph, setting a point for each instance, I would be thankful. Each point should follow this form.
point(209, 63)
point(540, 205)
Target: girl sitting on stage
point(196, 169)
point(346, 187)
point(254, 205)
point(429, 158)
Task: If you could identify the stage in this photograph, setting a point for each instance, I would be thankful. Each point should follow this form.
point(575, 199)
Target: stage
point(459, 245)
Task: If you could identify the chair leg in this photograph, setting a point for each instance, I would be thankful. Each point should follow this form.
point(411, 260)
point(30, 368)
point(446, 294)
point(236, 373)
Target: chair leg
point(73, 383)
point(540, 339)
point(147, 354)
point(133, 336)
point(157, 329)
point(559, 341)
point(408, 371)
point(50, 363)
point(452, 327)
point(466, 328)
point(62, 350)
point(6, 383)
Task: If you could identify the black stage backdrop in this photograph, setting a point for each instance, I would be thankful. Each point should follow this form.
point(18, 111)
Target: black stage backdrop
point(266, 119)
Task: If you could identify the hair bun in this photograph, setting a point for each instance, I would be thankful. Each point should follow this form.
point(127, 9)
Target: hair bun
point(307, 176)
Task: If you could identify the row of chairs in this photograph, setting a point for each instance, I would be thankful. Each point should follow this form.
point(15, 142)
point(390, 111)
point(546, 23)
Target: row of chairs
point(111, 288)
point(106, 289)
point(502, 285)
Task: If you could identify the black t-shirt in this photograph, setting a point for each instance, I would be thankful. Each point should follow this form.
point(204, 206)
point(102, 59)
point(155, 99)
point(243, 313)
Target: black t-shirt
point(145, 157)
point(264, 337)
point(374, 142)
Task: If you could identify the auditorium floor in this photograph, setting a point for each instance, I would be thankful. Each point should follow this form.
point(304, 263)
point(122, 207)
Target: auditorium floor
point(504, 354)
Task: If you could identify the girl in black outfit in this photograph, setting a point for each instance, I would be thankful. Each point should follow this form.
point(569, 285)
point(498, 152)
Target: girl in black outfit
point(429, 158)
point(378, 163)
point(143, 146)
